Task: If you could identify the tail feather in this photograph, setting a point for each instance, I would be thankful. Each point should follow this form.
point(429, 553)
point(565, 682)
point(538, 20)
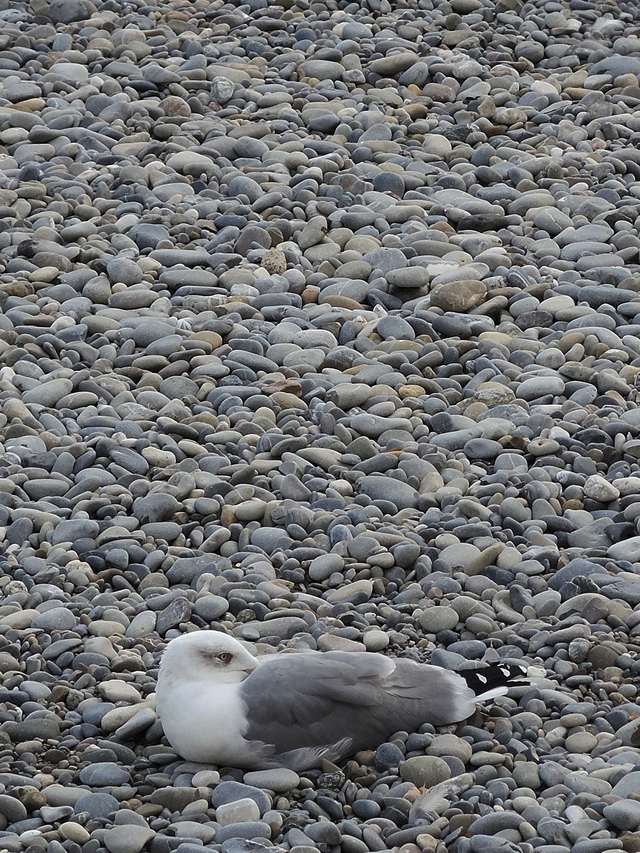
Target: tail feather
point(494, 680)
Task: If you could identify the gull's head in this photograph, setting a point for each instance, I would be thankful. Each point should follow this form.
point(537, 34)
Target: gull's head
point(206, 656)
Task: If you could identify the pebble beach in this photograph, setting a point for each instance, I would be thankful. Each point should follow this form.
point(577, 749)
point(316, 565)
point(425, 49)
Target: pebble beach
point(320, 326)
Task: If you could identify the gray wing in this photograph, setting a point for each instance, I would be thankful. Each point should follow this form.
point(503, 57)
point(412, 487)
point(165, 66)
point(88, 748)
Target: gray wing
point(340, 702)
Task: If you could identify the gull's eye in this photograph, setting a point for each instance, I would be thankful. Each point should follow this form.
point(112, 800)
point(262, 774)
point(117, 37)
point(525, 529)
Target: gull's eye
point(225, 657)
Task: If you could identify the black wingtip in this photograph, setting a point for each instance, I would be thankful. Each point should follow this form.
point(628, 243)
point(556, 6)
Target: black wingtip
point(494, 676)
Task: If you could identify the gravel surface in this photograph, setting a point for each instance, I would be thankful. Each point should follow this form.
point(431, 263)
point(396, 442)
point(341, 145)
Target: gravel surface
point(320, 326)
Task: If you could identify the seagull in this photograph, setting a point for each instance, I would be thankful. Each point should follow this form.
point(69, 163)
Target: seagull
point(218, 704)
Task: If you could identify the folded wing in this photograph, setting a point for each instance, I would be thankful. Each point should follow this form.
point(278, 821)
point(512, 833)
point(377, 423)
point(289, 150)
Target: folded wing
point(343, 702)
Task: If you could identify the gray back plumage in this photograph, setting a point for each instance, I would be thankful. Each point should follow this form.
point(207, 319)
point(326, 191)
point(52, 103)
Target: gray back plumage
point(347, 701)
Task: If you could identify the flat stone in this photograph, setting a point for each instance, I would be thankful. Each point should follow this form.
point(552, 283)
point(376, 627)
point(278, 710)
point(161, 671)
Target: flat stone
point(376, 641)
point(435, 619)
point(624, 815)
point(393, 63)
point(55, 619)
point(384, 488)
point(599, 489)
point(32, 728)
point(448, 744)
point(322, 69)
point(12, 808)
point(128, 839)
point(239, 811)
point(231, 792)
point(425, 771)
point(48, 393)
point(540, 386)
point(410, 277)
point(124, 270)
point(105, 773)
point(98, 805)
point(629, 550)
point(279, 780)
point(459, 296)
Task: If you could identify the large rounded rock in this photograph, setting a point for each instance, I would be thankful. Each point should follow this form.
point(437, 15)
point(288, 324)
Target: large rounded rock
point(425, 771)
point(458, 296)
point(68, 11)
point(401, 494)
